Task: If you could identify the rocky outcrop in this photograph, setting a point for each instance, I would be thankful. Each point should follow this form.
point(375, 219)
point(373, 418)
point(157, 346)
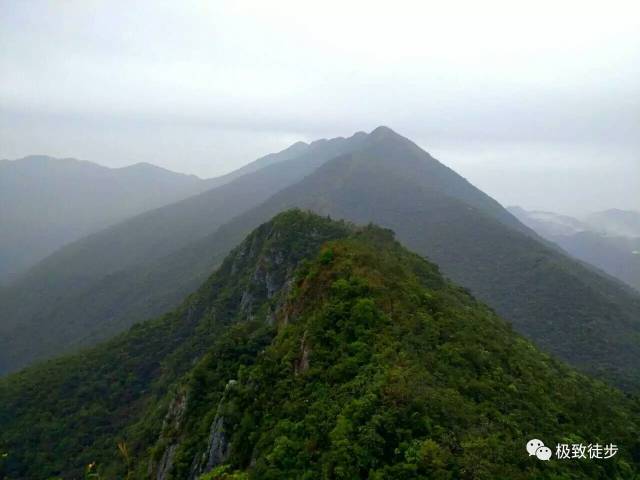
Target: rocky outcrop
point(218, 448)
point(270, 278)
point(166, 462)
point(302, 363)
point(170, 427)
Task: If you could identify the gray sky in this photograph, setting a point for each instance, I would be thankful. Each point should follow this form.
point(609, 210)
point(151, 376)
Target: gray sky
point(537, 103)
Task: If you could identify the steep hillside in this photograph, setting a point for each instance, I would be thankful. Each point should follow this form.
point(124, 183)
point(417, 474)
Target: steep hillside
point(317, 350)
point(567, 309)
point(47, 202)
point(571, 311)
point(93, 265)
point(95, 396)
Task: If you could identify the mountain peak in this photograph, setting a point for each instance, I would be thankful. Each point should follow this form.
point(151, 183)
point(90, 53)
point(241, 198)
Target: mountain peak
point(382, 131)
point(303, 306)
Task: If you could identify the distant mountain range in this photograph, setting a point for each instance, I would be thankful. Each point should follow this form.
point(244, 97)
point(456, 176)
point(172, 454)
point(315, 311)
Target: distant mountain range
point(318, 349)
point(47, 202)
point(99, 286)
point(614, 222)
point(609, 240)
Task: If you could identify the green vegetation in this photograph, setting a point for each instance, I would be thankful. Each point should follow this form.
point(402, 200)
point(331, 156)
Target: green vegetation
point(102, 285)
point(99, 286)
point(318, 350)
point(61, 415)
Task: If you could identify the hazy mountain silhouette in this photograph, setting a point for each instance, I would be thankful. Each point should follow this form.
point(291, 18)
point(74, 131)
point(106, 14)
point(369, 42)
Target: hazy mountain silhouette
point(47, 202)
point(548, 224)
point(600, 239)
point(616, 222)
point(52, 287)
point(295, 150)
point(571, 311)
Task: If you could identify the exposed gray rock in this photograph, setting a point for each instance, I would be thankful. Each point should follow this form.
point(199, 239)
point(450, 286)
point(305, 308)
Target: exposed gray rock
point(271, 316)
point(302, 363)
point(196, 466)
point(174, 415)
point(218, 449)
point(166, 462)
point(246, 304)
point(218, 444)
point(170, 425)
point(272, 284)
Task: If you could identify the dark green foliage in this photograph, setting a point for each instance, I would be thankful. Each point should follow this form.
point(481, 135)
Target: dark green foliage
point(325, 352)
point(57, 417)
point(567, 309)
point(403, 381)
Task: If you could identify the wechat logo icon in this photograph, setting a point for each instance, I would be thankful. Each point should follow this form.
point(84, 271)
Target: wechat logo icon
point(536, 447)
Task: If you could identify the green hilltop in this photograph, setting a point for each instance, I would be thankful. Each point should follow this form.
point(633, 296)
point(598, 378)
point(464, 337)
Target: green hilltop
point(317, 350)
point(98, 287)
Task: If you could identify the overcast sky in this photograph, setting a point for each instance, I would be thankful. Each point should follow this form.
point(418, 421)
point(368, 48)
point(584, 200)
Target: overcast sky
point(537, 103)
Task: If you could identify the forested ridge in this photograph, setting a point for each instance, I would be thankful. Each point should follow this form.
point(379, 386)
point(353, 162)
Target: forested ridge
point(317, 350)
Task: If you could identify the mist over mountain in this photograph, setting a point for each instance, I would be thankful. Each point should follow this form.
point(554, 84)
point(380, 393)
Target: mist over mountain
point(567, 309)
point(282, 288)
point(608, 240)
point(549, 224)
point(78, 295)
point(47, 202)
point(317, 349)
point(295, 150)
point(615, 222)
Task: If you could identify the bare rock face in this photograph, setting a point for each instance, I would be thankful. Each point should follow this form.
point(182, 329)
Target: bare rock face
point(218, 448)
point(218, 451)
point(270, 277)
point(166, 462)
point(302, 363)
point(170, 426)
point(246, 304)
point(175, 413)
